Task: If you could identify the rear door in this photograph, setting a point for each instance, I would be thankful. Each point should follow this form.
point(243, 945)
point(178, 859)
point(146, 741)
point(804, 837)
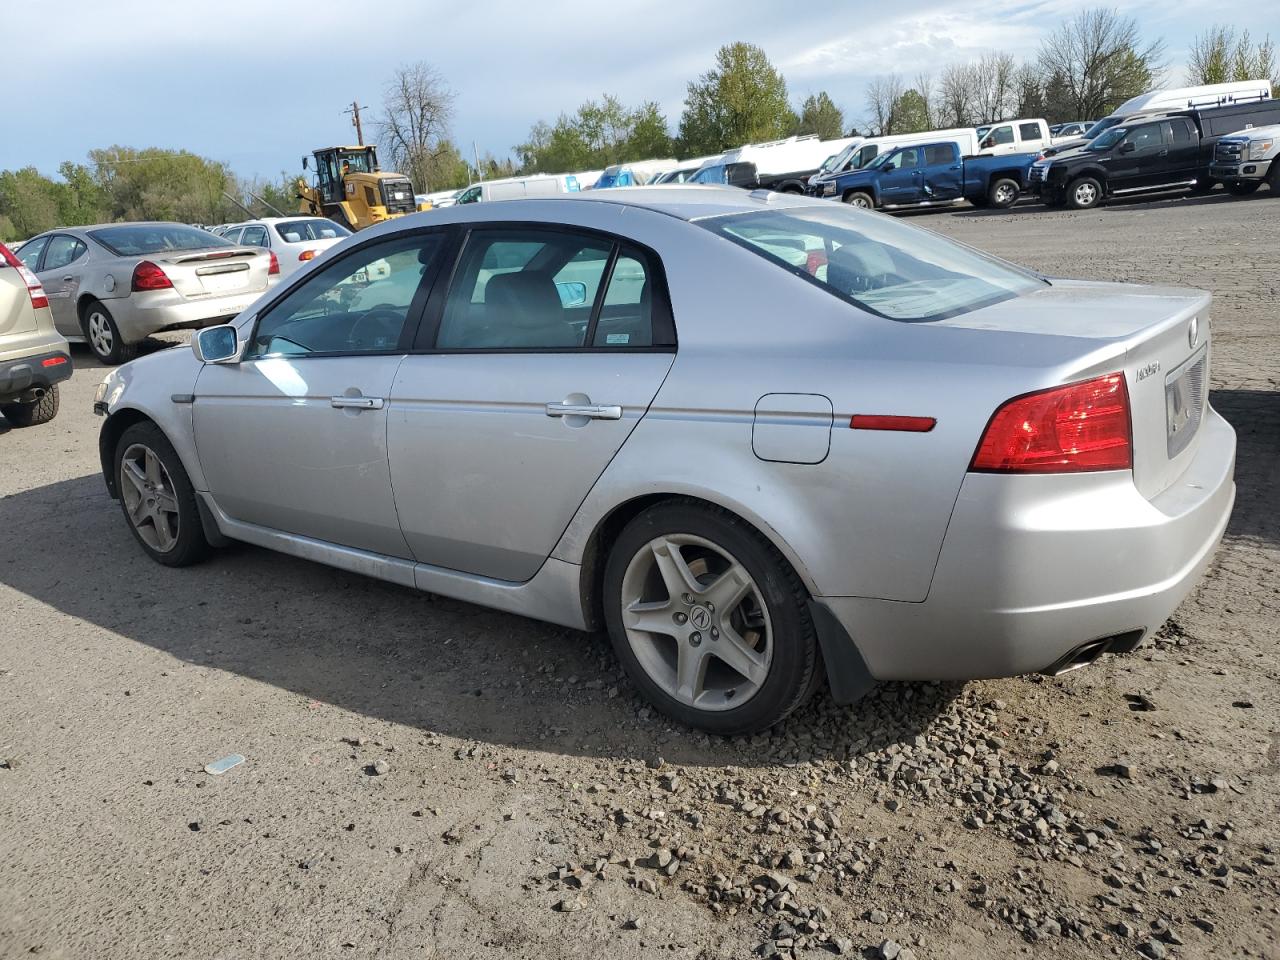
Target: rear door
point(1183, 144)
point(532, 370)
point(942, 176)
point(60, 272)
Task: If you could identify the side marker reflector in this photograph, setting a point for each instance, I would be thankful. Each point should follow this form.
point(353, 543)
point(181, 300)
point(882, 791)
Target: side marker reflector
point(871, 421)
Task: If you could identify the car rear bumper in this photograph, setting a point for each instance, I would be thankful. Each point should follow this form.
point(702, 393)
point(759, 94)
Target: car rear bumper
point(142, 314)
point(20, 377)
point(1034, 568)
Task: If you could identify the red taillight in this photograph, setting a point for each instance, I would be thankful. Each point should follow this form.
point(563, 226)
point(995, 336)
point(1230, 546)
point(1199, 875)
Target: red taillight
point(1071, 429)
point(307, 255)
point(148, 276)
point(53, 361)
point(35, 289)
point(275, 266)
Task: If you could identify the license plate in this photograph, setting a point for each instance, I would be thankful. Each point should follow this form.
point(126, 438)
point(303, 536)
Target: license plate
point(223, 282)
point(1184, 403)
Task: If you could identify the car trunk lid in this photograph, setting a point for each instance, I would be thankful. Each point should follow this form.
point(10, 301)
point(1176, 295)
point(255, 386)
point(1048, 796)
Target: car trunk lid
point(216, 272)
point(1157, 336)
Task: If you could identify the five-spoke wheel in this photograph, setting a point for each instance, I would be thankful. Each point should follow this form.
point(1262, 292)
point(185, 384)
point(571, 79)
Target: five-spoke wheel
point(157, 497)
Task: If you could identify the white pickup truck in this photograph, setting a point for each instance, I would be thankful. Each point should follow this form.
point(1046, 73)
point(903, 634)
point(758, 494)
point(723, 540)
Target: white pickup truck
point(1244, 161)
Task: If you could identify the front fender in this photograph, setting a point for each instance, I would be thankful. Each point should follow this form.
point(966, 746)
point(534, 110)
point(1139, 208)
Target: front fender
point(157, 387)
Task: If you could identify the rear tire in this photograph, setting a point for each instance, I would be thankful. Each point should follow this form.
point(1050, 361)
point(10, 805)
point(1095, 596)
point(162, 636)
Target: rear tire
point(157, 498)
point(1084, 193)
point(734, 670)
point(861, 200)
point(103, 336)
point(34, 413)
point(1003, 193)
point(1242, 188)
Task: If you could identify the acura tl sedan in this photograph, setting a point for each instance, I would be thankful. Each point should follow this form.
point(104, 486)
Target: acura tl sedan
point(763, 440)
point(113, 285)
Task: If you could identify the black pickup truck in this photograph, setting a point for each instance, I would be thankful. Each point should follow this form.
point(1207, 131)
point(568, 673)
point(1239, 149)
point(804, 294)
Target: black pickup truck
point(1168, 152)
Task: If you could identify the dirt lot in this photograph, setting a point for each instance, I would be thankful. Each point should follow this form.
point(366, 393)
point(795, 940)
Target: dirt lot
point(533, 807)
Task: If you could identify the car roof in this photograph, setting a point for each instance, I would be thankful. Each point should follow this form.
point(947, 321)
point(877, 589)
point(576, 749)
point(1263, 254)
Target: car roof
point(687, 201)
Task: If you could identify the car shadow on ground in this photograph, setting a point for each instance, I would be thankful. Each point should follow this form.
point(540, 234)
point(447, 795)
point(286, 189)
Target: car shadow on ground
point(1255, 415)
point(1116, 205)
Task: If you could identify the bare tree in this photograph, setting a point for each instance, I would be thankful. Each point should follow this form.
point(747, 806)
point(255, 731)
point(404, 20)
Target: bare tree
point(413, 128)
point(924, 86)
point(994, 93)
point(1220, 55)
point(1101, 59)
point(955, 101)
point(882, 96)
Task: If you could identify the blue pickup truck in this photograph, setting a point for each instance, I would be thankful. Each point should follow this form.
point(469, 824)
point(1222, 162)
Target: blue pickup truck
point(933, 174)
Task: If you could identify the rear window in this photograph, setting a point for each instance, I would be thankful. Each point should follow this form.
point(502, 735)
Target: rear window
point(888, 268)
point(142, 239)
point(315, 228)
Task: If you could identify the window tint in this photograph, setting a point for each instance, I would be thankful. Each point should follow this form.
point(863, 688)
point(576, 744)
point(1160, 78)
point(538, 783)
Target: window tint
point(626, 317)
point(359, 304)
point(30, 252)
point(523, 289)
point(232, 234)
point(905, 159)
point(140, 239)
point(878, 263)
point(1029, 131)
point(1179, 132)
point(315, 228)
point(939, 154)
point(1145, 138)
point(254, 236)
point(864, 156)
point(63, 250)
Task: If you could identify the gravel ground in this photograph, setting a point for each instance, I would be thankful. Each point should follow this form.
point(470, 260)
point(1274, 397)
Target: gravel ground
point(427, 778)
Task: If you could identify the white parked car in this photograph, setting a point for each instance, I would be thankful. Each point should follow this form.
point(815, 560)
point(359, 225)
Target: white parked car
point(294, 240)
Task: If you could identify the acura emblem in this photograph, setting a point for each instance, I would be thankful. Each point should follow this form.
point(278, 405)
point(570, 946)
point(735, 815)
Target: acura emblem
point(700, 618)
point(1193, 332)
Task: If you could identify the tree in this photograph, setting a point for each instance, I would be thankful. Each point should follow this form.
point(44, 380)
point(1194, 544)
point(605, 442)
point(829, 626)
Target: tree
point(417, 108)
point(157, 184)
point(1101, 61)
point(596, 135)
point(993, 90)
point(924, 86)
point(911, 113)
point(956, 96)
point(1220, 55)
point(1028, 92)
point(819, 115)
point(742, 99)
point(883, 94)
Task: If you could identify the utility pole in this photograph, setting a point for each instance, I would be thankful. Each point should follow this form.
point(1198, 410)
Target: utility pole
point(476, 150)
point(354, 111)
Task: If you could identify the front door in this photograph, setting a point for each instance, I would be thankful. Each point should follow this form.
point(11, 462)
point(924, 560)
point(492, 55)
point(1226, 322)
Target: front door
point(547, 351)
point(901, 179)
point(1137, 157)
point(294, 436)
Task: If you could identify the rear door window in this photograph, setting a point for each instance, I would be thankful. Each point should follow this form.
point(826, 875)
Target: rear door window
point(30, 253)
point(939, 154)
point(254, 236)
point(63, 251)
point(1029, 131)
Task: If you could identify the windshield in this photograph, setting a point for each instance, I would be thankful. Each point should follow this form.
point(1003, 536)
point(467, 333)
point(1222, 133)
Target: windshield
point(716, 174)
point(882, 265)
point(141, 239)
point(316, 228)
point(881, 160)
point(837, 160)
point(1106, 123)
point(1107, 140)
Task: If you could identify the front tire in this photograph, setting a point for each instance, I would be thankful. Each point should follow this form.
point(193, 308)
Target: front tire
point(157, 497)
point(103, 336)
point(1084, 194)
point(861, 200)
point(709, 620)
point(35, 412)
point(1242, 188)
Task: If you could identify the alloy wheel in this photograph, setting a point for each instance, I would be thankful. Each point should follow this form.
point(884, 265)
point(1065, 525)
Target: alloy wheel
point(149, 497)
point(1086, 194)
point(100, 336)
point(1005, 194)
point(696, 621)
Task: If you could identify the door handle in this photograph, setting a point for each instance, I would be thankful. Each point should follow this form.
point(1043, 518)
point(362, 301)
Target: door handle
point(67, 279)
point(356, 403)
point(595, 411)
point(1163, 153)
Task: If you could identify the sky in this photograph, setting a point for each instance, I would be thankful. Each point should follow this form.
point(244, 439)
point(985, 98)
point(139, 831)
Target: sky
point(258, 85)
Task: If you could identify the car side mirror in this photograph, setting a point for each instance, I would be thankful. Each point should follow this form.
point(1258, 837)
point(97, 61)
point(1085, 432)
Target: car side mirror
point(573, 293)
point(1128, 146)
point(304, 163)
point(219, 344)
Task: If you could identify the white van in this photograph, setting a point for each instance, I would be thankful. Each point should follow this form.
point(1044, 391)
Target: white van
point(1183, 98)
point(513, 188)
point(782, 165)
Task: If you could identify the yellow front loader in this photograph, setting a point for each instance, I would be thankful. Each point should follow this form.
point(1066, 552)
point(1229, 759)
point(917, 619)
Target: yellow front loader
point(350, 189)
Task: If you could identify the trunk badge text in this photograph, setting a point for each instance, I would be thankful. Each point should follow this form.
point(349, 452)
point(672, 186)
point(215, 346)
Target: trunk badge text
point(1149, 369)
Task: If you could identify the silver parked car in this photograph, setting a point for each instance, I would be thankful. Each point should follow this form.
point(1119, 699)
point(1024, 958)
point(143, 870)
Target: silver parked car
point(761, 439)
point(113, 285)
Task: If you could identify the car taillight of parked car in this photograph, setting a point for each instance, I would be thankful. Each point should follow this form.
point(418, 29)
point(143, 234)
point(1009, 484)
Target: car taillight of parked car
point(275, 266)
point(306, 255)
point(35, 290)
point(1072, 429)
point(149, 276)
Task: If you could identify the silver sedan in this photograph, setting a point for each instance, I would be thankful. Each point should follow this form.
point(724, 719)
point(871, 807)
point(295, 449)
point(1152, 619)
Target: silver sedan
point(763, 440)
point(113, 285)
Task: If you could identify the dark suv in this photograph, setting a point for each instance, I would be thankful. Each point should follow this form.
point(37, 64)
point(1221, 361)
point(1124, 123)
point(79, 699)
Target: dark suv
point(1167, 152)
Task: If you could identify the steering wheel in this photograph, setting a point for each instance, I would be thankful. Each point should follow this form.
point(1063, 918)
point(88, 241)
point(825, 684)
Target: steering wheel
point(384, 313)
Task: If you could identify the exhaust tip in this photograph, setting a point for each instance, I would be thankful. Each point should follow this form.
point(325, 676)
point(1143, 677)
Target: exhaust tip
point(1088, 653)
